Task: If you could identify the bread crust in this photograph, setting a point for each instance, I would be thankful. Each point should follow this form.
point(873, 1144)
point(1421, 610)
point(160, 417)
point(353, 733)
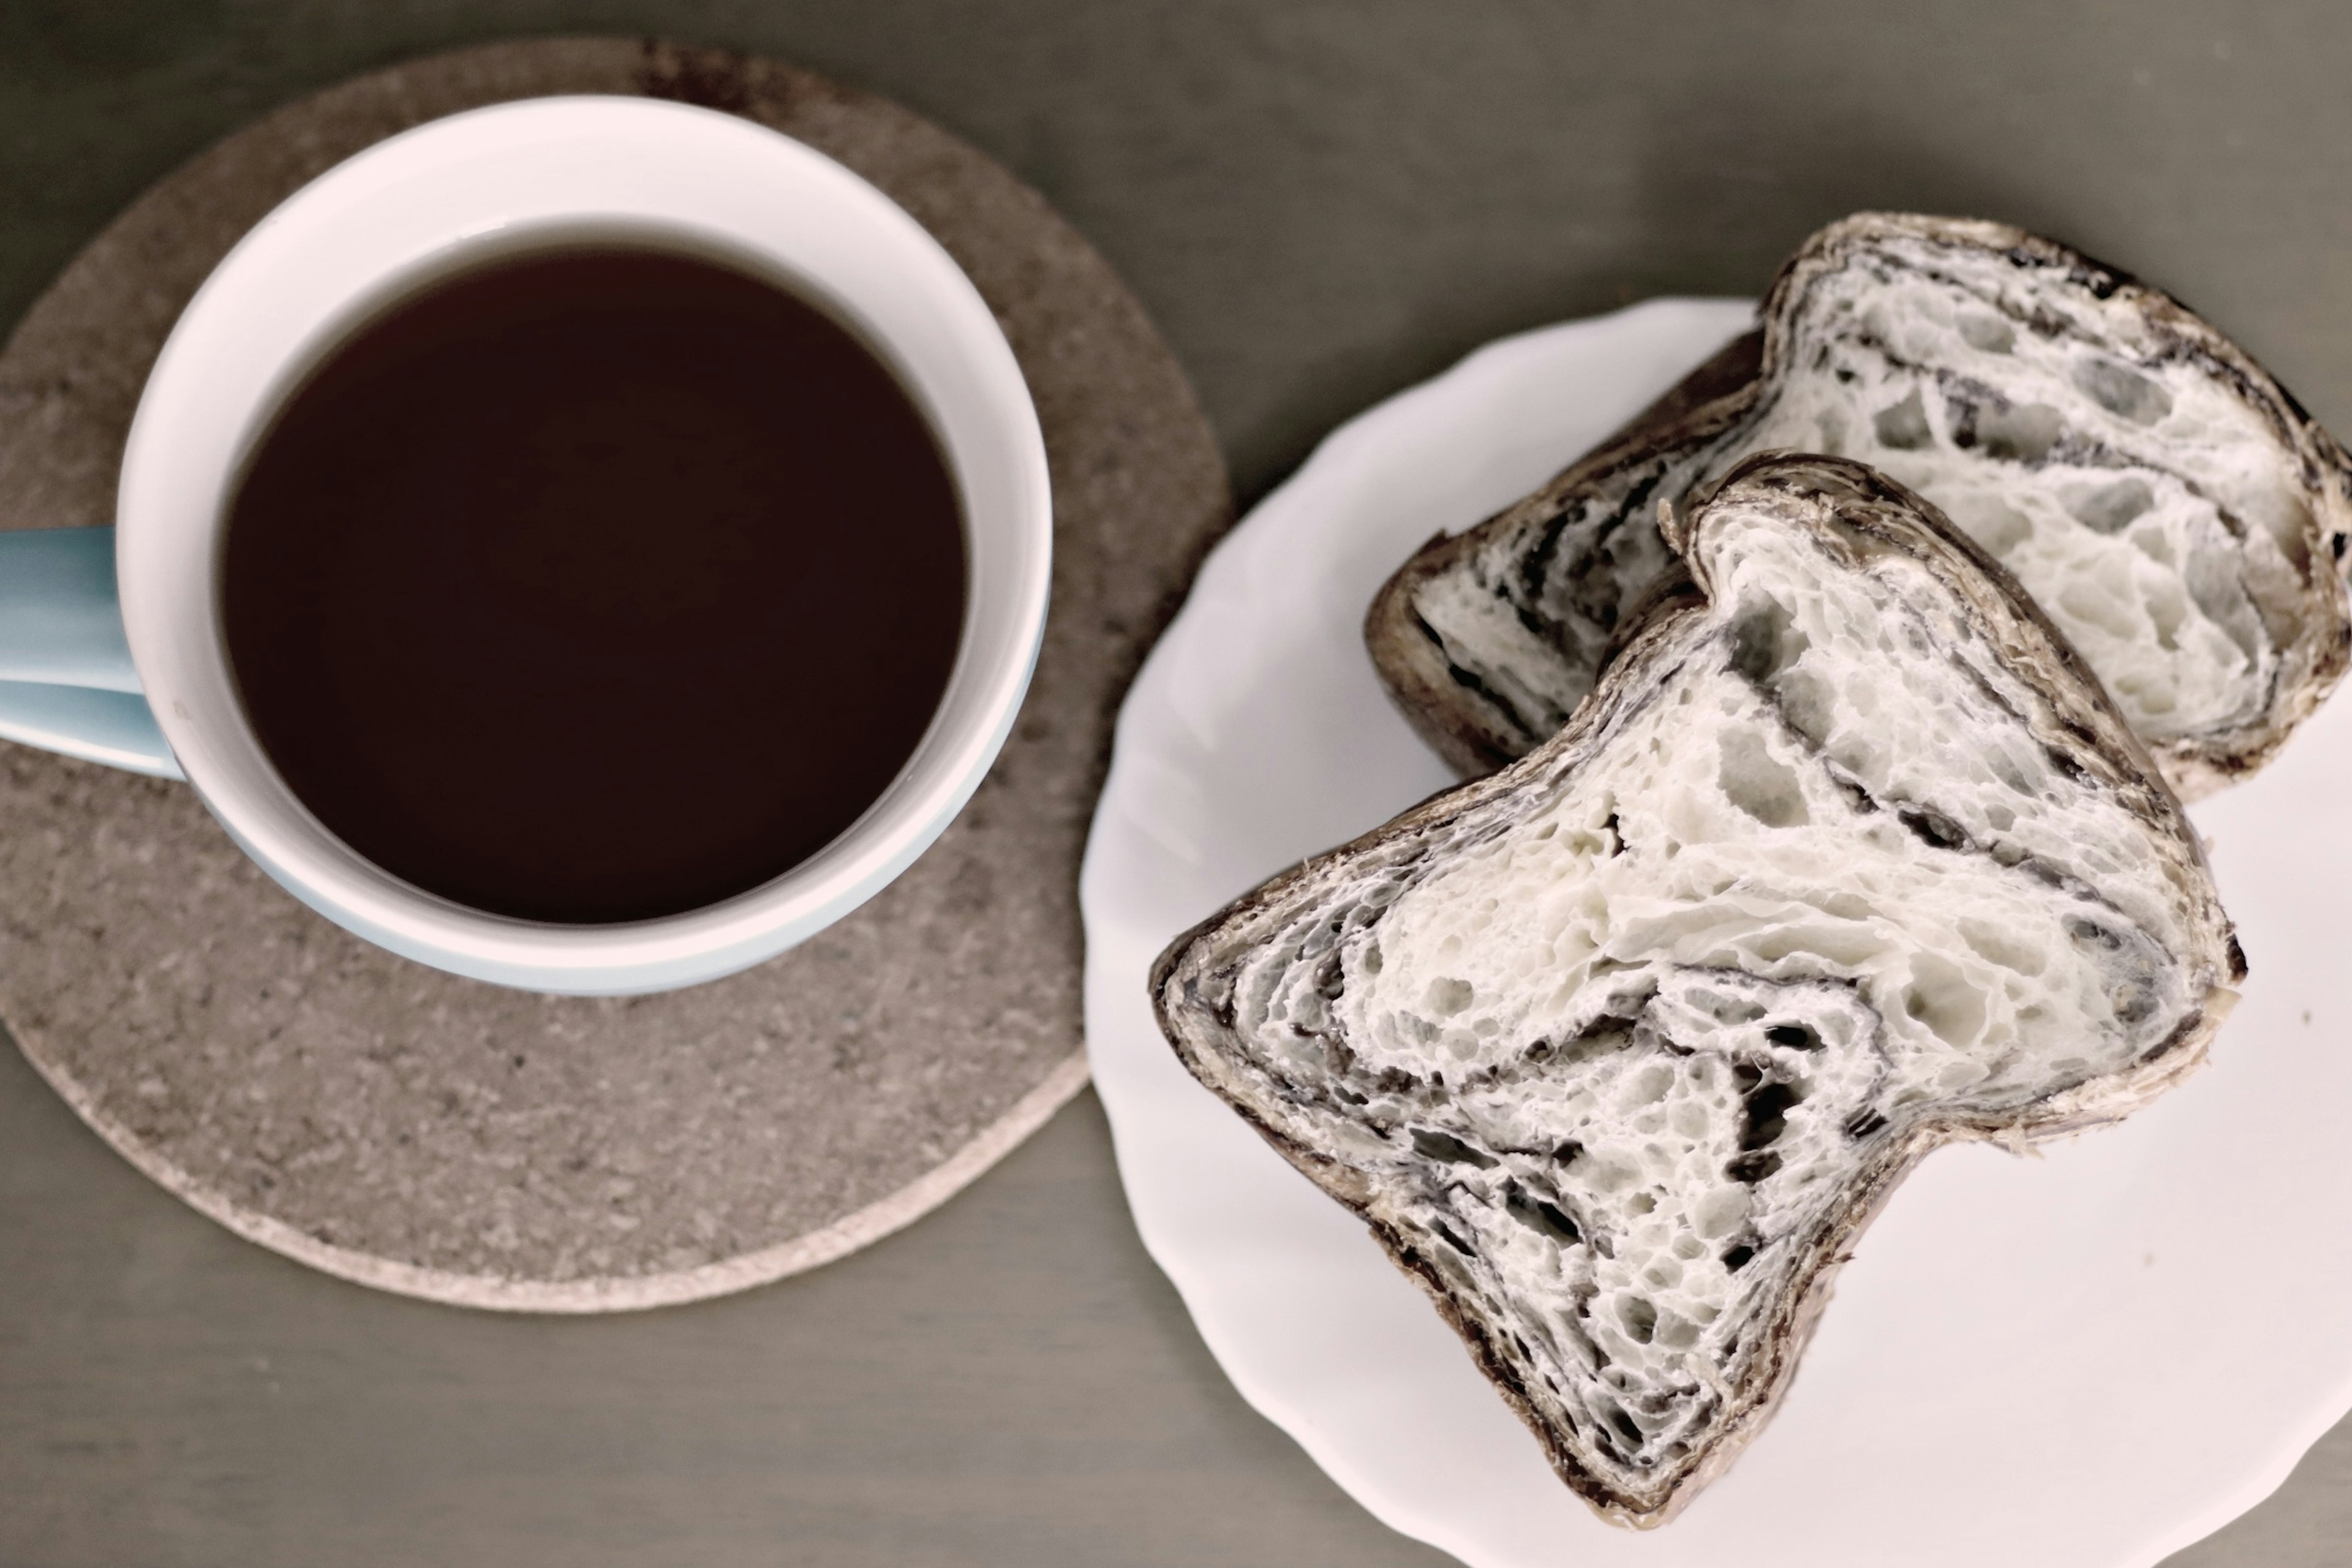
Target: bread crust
point(1192, 981)
point(1441, 700)
point(1477, 731)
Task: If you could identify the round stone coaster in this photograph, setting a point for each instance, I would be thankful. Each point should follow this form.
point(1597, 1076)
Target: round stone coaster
point(493, 1148)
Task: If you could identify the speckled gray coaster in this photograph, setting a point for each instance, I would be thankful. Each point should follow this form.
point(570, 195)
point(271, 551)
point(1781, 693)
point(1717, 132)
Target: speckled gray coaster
point(430, 1135)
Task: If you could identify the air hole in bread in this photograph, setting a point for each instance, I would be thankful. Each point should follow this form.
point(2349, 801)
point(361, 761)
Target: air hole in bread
point(1545, 1217)
point(1445, 1146)
point(2121, 390)
point(1903, 425)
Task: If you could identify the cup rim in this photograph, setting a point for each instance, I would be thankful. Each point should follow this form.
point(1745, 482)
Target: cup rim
point(504, 180)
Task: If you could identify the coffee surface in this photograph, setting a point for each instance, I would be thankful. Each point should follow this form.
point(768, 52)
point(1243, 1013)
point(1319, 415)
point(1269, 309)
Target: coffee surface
point(595, 585)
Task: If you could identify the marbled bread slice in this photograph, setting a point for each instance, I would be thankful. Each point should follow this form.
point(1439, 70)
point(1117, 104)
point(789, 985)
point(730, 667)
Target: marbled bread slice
point(2172, 509)
point(1617, 1050)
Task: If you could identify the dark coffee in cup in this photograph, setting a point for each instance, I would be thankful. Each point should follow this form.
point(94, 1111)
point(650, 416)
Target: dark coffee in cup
point(594, 585)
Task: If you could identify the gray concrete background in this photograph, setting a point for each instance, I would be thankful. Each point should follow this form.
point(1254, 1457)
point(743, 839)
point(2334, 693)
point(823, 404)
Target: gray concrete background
point(1320, 203)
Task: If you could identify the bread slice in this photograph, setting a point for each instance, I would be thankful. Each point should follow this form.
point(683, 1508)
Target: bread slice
point(2173, 509)
point(1619, 1049)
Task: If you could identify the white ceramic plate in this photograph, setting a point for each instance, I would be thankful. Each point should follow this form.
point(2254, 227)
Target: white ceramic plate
point(2088, 1359)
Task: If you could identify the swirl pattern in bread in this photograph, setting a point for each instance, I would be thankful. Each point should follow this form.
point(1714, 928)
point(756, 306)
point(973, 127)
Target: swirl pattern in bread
point(2173, 509)
point(1617, 1050)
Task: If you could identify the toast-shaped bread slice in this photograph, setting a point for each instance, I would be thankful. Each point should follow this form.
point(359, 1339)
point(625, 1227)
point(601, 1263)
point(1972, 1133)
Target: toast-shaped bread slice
point(2172, 510)
point(1619, 1049)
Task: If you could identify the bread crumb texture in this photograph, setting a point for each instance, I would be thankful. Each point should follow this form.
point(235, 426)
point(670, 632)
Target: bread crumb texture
point(1618, 1050)
point(2165, 504)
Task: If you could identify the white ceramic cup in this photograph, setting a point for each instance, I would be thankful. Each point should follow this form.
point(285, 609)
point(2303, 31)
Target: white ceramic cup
point(506, 181)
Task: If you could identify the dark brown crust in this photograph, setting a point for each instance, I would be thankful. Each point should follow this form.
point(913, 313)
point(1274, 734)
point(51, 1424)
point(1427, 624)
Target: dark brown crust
point(1416, 673)
point(1444, 707)
point(1414, 668)
point(1871, 513)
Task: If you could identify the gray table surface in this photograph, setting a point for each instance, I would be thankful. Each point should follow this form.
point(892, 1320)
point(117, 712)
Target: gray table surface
point(1320, 204)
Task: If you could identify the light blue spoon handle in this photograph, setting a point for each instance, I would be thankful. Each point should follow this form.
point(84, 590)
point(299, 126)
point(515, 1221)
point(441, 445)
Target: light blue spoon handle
point(67, 683)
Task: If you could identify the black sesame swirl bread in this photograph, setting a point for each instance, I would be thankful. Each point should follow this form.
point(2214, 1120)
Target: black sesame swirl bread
point(1619, 1049)
point(2172, 509)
